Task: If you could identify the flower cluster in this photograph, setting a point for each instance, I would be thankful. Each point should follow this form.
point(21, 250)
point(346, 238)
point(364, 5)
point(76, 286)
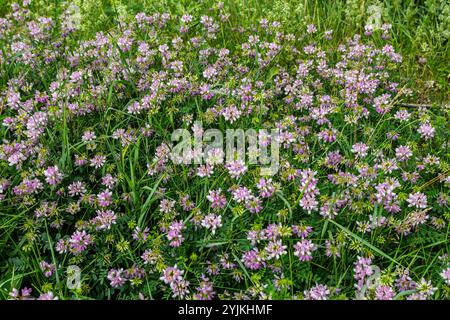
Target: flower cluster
point(87, 177)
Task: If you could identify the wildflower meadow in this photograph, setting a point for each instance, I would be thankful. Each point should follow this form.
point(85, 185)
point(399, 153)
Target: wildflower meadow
point(235, 150)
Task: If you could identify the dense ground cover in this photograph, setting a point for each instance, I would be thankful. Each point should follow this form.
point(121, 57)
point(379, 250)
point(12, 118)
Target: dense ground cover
point(91, 93)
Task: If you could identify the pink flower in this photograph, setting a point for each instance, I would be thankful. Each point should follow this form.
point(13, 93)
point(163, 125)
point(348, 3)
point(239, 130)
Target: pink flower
point(79, 241)
point(174, 234)
point(212, 221)
point(275, 249)
point(77, 188)
point(403, 153)
point(172, 274)
point(116, 278)
point(47, 296)
point(104, 198)
point(236, 168)
point(418, 200)
point(104, 219)
point(217, 199)
point(384, 292)
point(252, 260)
point(88, 136)
point(318, 292)
point(98, 161)
point(311, 28)
point(426, 130)
point(304, 250)
point(52, 175)
point(360, 149)
point(47, 268)
point(445, 274)
point(253, 204)
point(266, 187)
